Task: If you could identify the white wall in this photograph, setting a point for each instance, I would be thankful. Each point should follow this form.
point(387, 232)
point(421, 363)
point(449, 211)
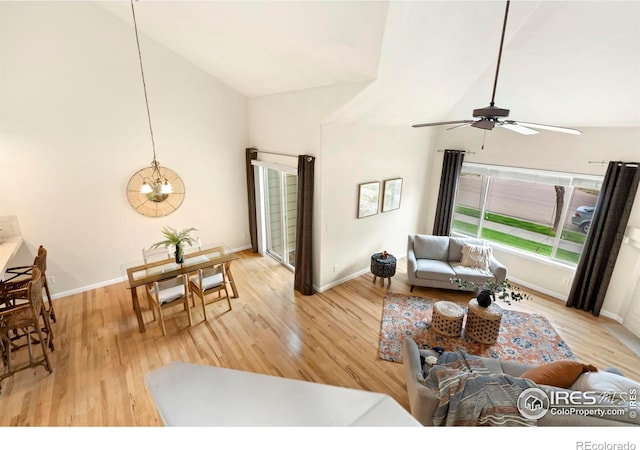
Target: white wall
point(346, 155)
point(354, 154)
point(631, 307)
point(291, 123)
point(73, 130)
point(552, 151)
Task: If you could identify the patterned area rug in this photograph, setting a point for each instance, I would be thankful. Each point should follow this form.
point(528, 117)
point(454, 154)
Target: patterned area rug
point(527, 338)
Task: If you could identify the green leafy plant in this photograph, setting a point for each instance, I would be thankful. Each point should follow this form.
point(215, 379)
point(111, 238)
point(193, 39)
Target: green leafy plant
point(502, 290)
point(175, 237)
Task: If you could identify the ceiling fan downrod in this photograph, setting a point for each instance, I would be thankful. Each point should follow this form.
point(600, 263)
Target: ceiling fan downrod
point(488, 117)
point(504, 27)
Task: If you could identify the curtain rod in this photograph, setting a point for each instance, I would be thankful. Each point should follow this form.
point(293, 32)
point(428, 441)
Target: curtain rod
point(463, 151)
point(604, 163)
point(255, 150)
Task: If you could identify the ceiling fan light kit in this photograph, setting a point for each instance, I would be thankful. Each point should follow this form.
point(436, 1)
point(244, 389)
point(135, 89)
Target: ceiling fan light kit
point(491, 116)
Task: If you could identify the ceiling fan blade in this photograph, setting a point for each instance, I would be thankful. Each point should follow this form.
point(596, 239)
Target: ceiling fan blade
point(433, 124)
point(459, 126)
point(484, 124)
point(549, 127)
point(518, 128)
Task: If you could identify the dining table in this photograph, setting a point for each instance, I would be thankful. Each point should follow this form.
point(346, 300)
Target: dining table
point(141, 273)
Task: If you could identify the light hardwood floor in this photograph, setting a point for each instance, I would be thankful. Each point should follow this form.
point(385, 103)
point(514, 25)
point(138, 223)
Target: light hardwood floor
point(100, 357)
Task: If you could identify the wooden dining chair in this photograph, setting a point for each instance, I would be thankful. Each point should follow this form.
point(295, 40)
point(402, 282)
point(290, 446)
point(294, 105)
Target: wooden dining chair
point(169, 293)
point(26, 319)
point(208, 281)
point(195, 246)
point(153, 255)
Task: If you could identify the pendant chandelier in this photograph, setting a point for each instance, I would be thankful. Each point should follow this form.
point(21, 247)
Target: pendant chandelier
point(154, 191)
point(157, 183)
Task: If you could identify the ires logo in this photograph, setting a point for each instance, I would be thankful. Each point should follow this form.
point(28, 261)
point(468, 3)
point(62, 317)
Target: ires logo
point(586, 398)
point(534, 403)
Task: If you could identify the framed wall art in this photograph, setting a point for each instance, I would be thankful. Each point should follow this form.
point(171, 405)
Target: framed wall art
point(392, 192)
point(368, 199)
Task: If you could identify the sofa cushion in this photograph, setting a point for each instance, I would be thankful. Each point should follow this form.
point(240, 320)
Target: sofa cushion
point(431, 247)
point(455, 246)
point(476, 256)
point(604, 382)
point(430, 269)
point(558, 373)
point(469, 274)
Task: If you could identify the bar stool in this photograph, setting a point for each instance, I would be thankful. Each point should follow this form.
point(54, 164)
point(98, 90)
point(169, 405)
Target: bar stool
point(25, 315)
point(18, 277)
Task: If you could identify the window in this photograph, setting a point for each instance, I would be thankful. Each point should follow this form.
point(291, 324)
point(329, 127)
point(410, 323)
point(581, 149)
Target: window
point(540, 212)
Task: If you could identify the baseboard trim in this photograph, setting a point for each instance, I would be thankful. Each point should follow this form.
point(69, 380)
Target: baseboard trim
point(539, 289)
point(562, 297)
point(239, 249)
point(86, 288)
point(609, 315)
point(340, 281)
point(352, 276)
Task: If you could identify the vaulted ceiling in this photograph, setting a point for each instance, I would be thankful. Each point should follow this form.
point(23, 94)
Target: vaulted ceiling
point(573, 63)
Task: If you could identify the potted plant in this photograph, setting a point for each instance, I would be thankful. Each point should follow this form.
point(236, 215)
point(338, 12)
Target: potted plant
point(177, 239)
point(490, 290)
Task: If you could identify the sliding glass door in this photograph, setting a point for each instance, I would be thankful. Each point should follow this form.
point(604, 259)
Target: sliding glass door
point(280, 194)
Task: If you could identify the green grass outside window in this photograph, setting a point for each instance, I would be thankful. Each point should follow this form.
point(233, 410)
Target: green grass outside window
point(516, 242)
point(570, 236)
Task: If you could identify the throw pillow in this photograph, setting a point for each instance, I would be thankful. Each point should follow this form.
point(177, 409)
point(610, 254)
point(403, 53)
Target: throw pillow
point(476, 256)
point(560, 374)
point(456, 244)
point(604, 382)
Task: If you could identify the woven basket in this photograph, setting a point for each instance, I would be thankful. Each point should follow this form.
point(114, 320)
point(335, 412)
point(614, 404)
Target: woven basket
point(447, 318)
point(483, 324)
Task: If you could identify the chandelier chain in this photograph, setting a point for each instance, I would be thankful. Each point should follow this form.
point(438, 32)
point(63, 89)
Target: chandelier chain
point(144, 84)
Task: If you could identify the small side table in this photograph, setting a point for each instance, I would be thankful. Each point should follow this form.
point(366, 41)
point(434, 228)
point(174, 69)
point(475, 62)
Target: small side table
point(383, 267)
point(483, 324)
point(447, 318)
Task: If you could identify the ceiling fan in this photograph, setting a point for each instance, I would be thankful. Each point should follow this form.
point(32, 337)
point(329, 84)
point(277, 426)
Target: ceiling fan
point(491, 116)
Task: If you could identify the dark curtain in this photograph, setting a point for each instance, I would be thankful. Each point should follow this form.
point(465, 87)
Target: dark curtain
point(303, 279)
point(451, 166)
point(603, 241)
point(251, 154)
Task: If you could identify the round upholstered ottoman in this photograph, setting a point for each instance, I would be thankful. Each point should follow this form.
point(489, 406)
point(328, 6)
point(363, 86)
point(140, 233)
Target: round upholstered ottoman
point(447, 318)
point(483, 324)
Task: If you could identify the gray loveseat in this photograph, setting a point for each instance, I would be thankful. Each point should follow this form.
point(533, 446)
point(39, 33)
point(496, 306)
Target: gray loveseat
point(433, 260)
point(423, 401)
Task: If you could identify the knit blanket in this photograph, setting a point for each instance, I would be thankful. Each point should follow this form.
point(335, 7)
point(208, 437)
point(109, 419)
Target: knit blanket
point(469, 395)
